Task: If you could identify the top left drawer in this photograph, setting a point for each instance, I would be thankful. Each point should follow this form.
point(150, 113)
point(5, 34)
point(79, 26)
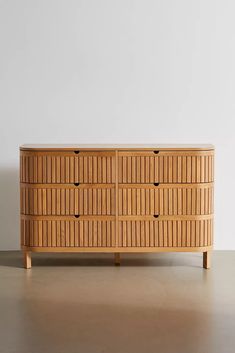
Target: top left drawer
point(67, 167)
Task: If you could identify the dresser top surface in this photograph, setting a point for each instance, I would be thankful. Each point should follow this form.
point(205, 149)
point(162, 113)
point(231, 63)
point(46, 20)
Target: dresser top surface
point(128, 147)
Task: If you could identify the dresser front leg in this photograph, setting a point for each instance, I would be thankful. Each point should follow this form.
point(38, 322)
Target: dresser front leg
point(27, 259)
point(207, 259)
point(117, 258)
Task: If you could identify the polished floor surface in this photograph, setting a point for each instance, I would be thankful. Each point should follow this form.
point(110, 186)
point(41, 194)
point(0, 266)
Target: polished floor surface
point(73, 303)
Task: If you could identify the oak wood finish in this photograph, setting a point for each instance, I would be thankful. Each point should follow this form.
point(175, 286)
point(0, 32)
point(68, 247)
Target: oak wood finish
point(111, 250)
point(67, 199)
point(166, 199)
point(27, 258)
point(116, 198)
point(114, 147)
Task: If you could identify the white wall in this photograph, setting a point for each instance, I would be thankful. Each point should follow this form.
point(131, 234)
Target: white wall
point(117, 71)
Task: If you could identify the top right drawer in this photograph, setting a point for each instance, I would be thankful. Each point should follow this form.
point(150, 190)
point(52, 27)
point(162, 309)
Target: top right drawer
point(165, 166)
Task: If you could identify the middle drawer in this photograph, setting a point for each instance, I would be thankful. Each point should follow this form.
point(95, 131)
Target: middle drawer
point(165, 199)
point(67, 199)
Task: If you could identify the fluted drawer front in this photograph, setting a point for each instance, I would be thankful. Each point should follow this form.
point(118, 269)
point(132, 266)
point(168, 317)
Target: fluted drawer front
point(67, 167)
point(67, 233)
point(166, 199)
point(72, 200)
point(165, 233)
point(166, 167)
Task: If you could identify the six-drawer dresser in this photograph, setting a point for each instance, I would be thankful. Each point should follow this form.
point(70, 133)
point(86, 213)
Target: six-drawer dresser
point(116, 198)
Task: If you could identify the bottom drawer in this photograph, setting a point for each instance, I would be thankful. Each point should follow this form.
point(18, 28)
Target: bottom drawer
point(137, 232)
point(165, 233)
point(67, 233)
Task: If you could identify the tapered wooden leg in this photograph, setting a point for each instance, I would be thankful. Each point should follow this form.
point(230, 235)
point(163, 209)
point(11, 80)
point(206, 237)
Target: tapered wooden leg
point(27, 259)
point(117, 258)
point(207, 259)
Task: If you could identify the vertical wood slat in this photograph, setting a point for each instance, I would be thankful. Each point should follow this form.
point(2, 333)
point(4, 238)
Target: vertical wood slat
point(165, 168)
point(55, 168)
point(166, 200)
point(69, 201)
point(166, 233)
point(87, 233)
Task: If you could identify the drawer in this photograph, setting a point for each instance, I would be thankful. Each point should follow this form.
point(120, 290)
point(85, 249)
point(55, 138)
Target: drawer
point(166, 167)
point(165, 232)
point(67, 167)
point(58, 232)
point(165, 199)
point(65, 199)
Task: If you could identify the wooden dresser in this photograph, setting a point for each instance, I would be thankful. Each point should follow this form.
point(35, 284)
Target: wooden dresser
point(116, 198)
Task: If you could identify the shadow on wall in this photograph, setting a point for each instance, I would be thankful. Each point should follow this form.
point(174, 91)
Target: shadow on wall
point(9, 206)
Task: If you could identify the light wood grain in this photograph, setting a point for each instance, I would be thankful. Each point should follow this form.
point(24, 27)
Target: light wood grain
point(106, 249)
point(165, 199)
point(64, 232)
point(116, 198)
point(165, 233)
point(48, 167)
point(27, 259)
point(101, 147)
point(183, 162)
point(82, 200)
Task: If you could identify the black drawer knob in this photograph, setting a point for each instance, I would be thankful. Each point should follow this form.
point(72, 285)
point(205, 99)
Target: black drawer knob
point(76, 184)
point(76, 215)
point(156, 152)
point(156, 215)
point(76, 152)
point(155, 184)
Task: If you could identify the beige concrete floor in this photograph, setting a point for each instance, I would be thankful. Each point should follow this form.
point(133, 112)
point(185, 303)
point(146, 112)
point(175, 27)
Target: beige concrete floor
point(72, 303)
